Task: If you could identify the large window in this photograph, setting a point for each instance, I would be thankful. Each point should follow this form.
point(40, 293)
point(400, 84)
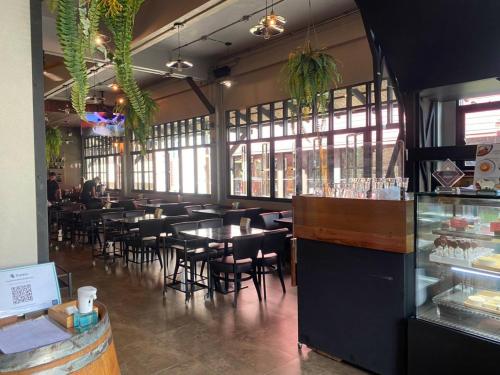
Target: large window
point(273, 152)
point(480, 120)
point(177, 158)
point(102, 158)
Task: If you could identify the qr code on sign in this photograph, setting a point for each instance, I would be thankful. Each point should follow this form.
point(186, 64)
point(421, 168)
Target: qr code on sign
point(21, 294)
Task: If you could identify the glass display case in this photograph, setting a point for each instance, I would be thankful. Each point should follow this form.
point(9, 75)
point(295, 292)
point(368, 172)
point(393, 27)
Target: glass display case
point(458, 262)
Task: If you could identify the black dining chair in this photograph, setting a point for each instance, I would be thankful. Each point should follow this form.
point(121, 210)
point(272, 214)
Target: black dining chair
point(233, 217)
point(146, 244)
point(188, 258)
point(242, 261)
point(111, 233)
point(128, 205)
point(270, 256)
point(89, 225)
point(173, 209)
point(188, 283)
point(253, 215)
point(268, 220)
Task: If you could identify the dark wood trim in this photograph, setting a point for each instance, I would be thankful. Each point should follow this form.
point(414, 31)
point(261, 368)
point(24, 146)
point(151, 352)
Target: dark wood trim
point(210, 108)
point(456, 153)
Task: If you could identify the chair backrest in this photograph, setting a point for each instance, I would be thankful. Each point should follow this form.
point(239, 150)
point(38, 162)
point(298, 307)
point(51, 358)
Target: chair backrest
point(173, 209)
point(287, 213)
point(247, 246)
point(268, 220)
point(253, 215)
point(128, 205)
point(216, 222)
point(135, 213)
point(190, 209)
point(233, 217)
point(151, 228)
point(274, 241)
point(186, 225)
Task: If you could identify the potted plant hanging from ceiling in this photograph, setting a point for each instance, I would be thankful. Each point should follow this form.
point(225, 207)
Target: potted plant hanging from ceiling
point(309, 73)
point(78, 28)
point(53, 142)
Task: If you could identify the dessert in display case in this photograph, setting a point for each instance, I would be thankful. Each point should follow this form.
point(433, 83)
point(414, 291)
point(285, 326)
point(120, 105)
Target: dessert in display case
point(457, 274)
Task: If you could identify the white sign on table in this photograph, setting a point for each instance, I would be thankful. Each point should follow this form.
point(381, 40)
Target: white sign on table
point(28, 289)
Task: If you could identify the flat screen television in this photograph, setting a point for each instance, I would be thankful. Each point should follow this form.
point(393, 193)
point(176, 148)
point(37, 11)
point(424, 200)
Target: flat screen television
point(104, 124)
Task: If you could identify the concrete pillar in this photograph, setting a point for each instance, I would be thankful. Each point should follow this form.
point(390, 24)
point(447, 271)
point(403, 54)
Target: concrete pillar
point(23, 218)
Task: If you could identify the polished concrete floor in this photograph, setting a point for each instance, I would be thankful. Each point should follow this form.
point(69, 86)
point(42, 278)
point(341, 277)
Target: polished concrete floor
point(156, 335)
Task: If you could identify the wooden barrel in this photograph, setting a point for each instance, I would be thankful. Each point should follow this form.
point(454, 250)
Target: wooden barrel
point(91, 352)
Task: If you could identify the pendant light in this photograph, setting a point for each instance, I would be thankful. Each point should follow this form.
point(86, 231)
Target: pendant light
point(179, 64)
point(270, 25)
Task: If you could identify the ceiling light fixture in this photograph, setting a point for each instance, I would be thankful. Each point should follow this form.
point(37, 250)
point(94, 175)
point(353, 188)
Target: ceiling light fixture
point(227, 83)
point(114, 86)
point(270, 25)
point(179, 64)
point(101, 39)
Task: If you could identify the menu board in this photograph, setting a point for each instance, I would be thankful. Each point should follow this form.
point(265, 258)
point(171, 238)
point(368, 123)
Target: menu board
point(487, 169)
point(28, 289)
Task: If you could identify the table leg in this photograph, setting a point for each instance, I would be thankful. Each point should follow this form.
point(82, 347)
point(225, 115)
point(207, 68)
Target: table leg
point(226, 275)
point(293, 261)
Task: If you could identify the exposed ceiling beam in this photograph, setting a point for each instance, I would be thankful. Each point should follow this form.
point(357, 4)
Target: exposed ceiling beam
point(52, 105)
point(209, 8)
point(210, 108)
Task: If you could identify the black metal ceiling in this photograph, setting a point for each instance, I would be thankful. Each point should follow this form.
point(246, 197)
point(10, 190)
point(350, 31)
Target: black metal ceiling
point(431, 43)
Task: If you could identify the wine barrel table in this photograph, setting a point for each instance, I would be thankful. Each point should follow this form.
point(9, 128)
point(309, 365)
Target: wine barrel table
point(91, 352)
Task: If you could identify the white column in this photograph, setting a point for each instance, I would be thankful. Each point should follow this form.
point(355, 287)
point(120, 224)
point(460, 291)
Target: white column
point(22, 171)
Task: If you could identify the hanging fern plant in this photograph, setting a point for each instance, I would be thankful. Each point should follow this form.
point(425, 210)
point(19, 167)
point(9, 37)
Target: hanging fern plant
point(77, 28)
point(308, 74)
point(53, 142)
point(140, 107)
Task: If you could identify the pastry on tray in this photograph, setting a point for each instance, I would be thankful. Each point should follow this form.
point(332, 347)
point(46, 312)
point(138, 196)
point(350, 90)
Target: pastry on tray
point(495, 227)
point(459, 224)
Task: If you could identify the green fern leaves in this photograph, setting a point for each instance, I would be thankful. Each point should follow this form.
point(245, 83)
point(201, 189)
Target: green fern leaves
point(308, 74)
point(53, 142)
point(77, 28)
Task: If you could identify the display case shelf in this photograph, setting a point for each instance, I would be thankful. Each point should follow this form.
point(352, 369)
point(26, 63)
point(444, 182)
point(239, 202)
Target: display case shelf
point(458, 272)
point(468, 235)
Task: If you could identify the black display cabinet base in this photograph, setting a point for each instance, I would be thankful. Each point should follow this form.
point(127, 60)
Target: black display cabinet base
point(353, 304)
point(435, 349)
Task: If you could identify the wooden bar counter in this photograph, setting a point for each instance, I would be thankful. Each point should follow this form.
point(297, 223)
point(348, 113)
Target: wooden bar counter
point(373, 224)
point(355, 275)
point(88, 353)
